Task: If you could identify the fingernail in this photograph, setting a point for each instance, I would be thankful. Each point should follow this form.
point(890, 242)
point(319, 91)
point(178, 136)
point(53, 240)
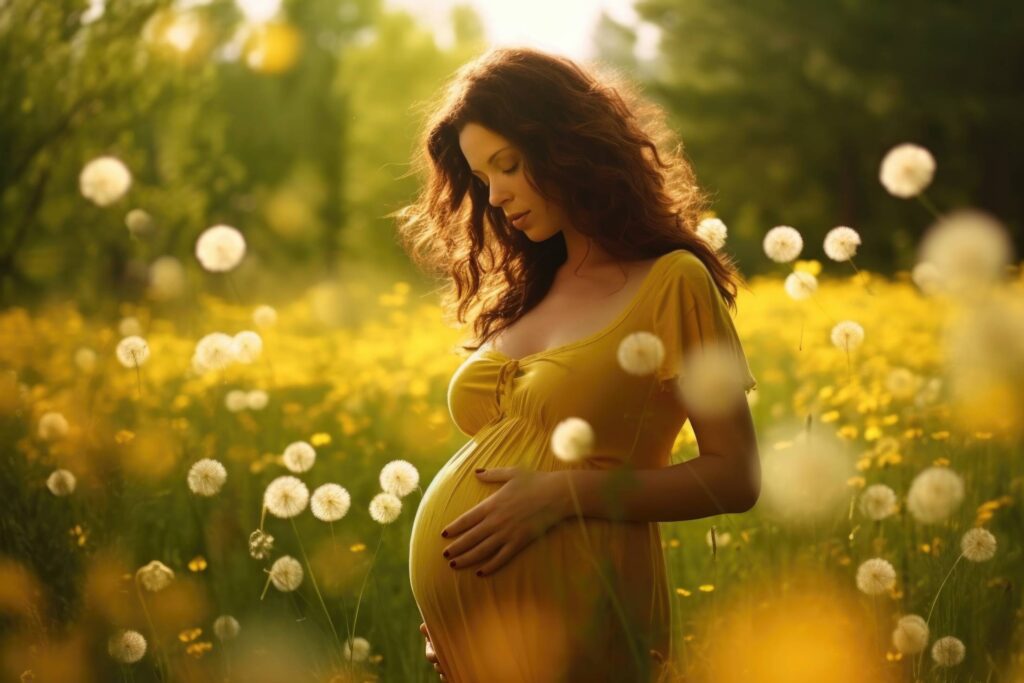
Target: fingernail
point(445, 533)
point(452, 563)
point(445, 553)
point(481, 471)
point(479, 572)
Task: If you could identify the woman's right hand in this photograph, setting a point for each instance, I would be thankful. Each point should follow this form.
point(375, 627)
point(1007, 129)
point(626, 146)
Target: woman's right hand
point(431, 655)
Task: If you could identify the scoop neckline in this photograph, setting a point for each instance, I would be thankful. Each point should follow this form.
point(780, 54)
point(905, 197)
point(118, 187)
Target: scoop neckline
point(589, 339)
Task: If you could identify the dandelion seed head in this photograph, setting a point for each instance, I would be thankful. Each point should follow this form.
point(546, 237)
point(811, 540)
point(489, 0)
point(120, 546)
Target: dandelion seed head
point(286, 573)
point(875, 576)
point(155, 576)
point(214, 351)
point(166, 278)
point(247, 346)
point(85, 359)
point(847, 335)
point(906, 170)
point(257, 399)
point(139, 223)
point(572, 439)
point(927, 278)
point(356, 649)
point(877, 502)
point(264, 316)
point(129, 326)
point(640, 353)
point(220, 248)
point(206, 477)
point(104, 180)
point(132, 351)
point(713, 232)
point(286, 497)
point(968, 248)
point(910, 635)
point(948, 651)
point(226, 627)
point(800, 285)
point(260, 544)
point(127, 647)
point(399, 478)
point(330, 502)
point(52, 426)
point(299, 456)
point(61, 483)
point(934, 494)
point(385, 508)
point(841, 243)
point(978, 545)
point(783, 243)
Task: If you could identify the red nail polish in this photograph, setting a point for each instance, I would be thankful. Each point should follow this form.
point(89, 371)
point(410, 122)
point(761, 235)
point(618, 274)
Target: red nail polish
point(445, 533)
point(452, 563)
point(445, 553)
point(480, 470)
point(479, 572)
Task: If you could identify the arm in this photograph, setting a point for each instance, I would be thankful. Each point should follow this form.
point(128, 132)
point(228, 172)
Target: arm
point(724, 478)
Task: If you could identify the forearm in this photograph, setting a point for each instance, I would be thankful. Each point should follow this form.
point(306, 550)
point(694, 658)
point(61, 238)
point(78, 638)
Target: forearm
point(702, 487)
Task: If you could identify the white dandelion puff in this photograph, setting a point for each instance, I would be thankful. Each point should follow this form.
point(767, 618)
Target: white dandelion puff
point(782, 243)
point(978, 545)
point(935, 494)
point(52, 426)
point(841, 243)
point(385, 508)
point(927, 278)
point(104, 180)
point(572, 439)
point(847, 335)
point(286, 573)
point(85, 359)
point(247, 346)
point(330, 502)
point(906, 170)
point(236, 401)
point(713, 232)
point(875, 576)
point(299, 456)
point(129, 326)
point(286, 497)
point(910, 635)
point(155, 576)
point(948, 651)
point(132, 351)
point(206, 477)
point(877, 502)
point(127, 647)
point(356, 649)
point(226, 627)
point(640, 353)
point(399, 478)
point(61, 483)
point(901, 383)
point(166, 278)
point(264, 316)
point(257, 399)
point(214, 351)
point(969, 248)
point(220, 248)
point(800, 285)
point(138, 222)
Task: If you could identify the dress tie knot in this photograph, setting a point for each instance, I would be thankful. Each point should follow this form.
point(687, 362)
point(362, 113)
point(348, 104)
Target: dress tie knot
point(503, 386)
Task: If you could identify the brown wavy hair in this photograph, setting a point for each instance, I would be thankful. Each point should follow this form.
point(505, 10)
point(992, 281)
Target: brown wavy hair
point(591, 144)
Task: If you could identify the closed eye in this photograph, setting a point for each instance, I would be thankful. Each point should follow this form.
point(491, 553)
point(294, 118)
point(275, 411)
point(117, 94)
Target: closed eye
point(508, 171)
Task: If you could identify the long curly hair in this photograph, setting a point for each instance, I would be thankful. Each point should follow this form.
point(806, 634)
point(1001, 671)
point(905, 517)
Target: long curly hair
point(592, 144)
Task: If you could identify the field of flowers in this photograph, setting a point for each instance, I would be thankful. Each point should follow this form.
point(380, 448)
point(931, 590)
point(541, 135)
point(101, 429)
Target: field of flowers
point(227, 493)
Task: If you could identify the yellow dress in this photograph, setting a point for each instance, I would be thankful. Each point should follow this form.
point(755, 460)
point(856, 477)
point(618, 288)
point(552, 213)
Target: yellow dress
point(546, 615)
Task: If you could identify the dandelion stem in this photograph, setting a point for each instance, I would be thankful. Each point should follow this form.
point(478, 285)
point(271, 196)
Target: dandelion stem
point(928, 619)
point(867, 286)
point(165, 664)
point(921, 197)
point(355, 617)
point(316, 587)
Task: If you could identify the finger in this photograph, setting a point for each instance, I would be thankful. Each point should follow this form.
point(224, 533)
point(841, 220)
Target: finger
point(496, 562)
point(466, 542)
point(465, 521)
point(480, 552)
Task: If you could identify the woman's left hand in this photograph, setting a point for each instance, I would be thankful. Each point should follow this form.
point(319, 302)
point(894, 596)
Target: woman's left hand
point(526, 505)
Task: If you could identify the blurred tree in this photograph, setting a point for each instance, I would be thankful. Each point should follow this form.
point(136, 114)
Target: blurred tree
point(787, 108)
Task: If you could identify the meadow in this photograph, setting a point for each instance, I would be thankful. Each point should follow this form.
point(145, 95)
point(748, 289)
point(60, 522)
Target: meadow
point(110, 527)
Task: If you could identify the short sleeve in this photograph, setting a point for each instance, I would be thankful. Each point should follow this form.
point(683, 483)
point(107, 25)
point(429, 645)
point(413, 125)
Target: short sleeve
point(691, 317)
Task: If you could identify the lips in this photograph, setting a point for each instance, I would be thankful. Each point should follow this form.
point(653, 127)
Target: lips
point(517, 217)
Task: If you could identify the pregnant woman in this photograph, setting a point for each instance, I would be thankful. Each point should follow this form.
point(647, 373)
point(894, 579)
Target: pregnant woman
point(564, 216)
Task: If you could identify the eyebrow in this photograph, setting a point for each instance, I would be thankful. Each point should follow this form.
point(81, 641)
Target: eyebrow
point(491, 159)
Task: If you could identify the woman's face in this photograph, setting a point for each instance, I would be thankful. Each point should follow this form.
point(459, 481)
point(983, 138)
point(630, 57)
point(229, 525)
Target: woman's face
point(499, 166)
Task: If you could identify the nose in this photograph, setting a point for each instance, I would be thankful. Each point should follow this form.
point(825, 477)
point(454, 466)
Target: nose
point(498, 195)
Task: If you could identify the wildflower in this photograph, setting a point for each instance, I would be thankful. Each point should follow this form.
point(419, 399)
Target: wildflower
point(901, 382)
point(356, 649)
point(206, 477)
point(907, 170)
point(934, 494)
point(286, 573)
point(220, 248)
point(52, 426)
point(399, 478)
point(800, 285)
point(978, 545)
point(247, 346)
point(841, 243)
point(155, 576)
point(104, 180)
point(61, 483)
point(385, 508)
point(260, 544)
point(286, 497)
point(640, 353)
point(713, 232)
point(847, 335)
point(132, 351)
point(877, 502)
point(264, 316)
point(572, 439)
point(910, 635)
point(214, 351)
point(330, 502)
point(948, 651)
point(226, 627)
point(236, 401)
point(127, 646)
point(875, 576)
point(299, 456)
point(783, 244)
